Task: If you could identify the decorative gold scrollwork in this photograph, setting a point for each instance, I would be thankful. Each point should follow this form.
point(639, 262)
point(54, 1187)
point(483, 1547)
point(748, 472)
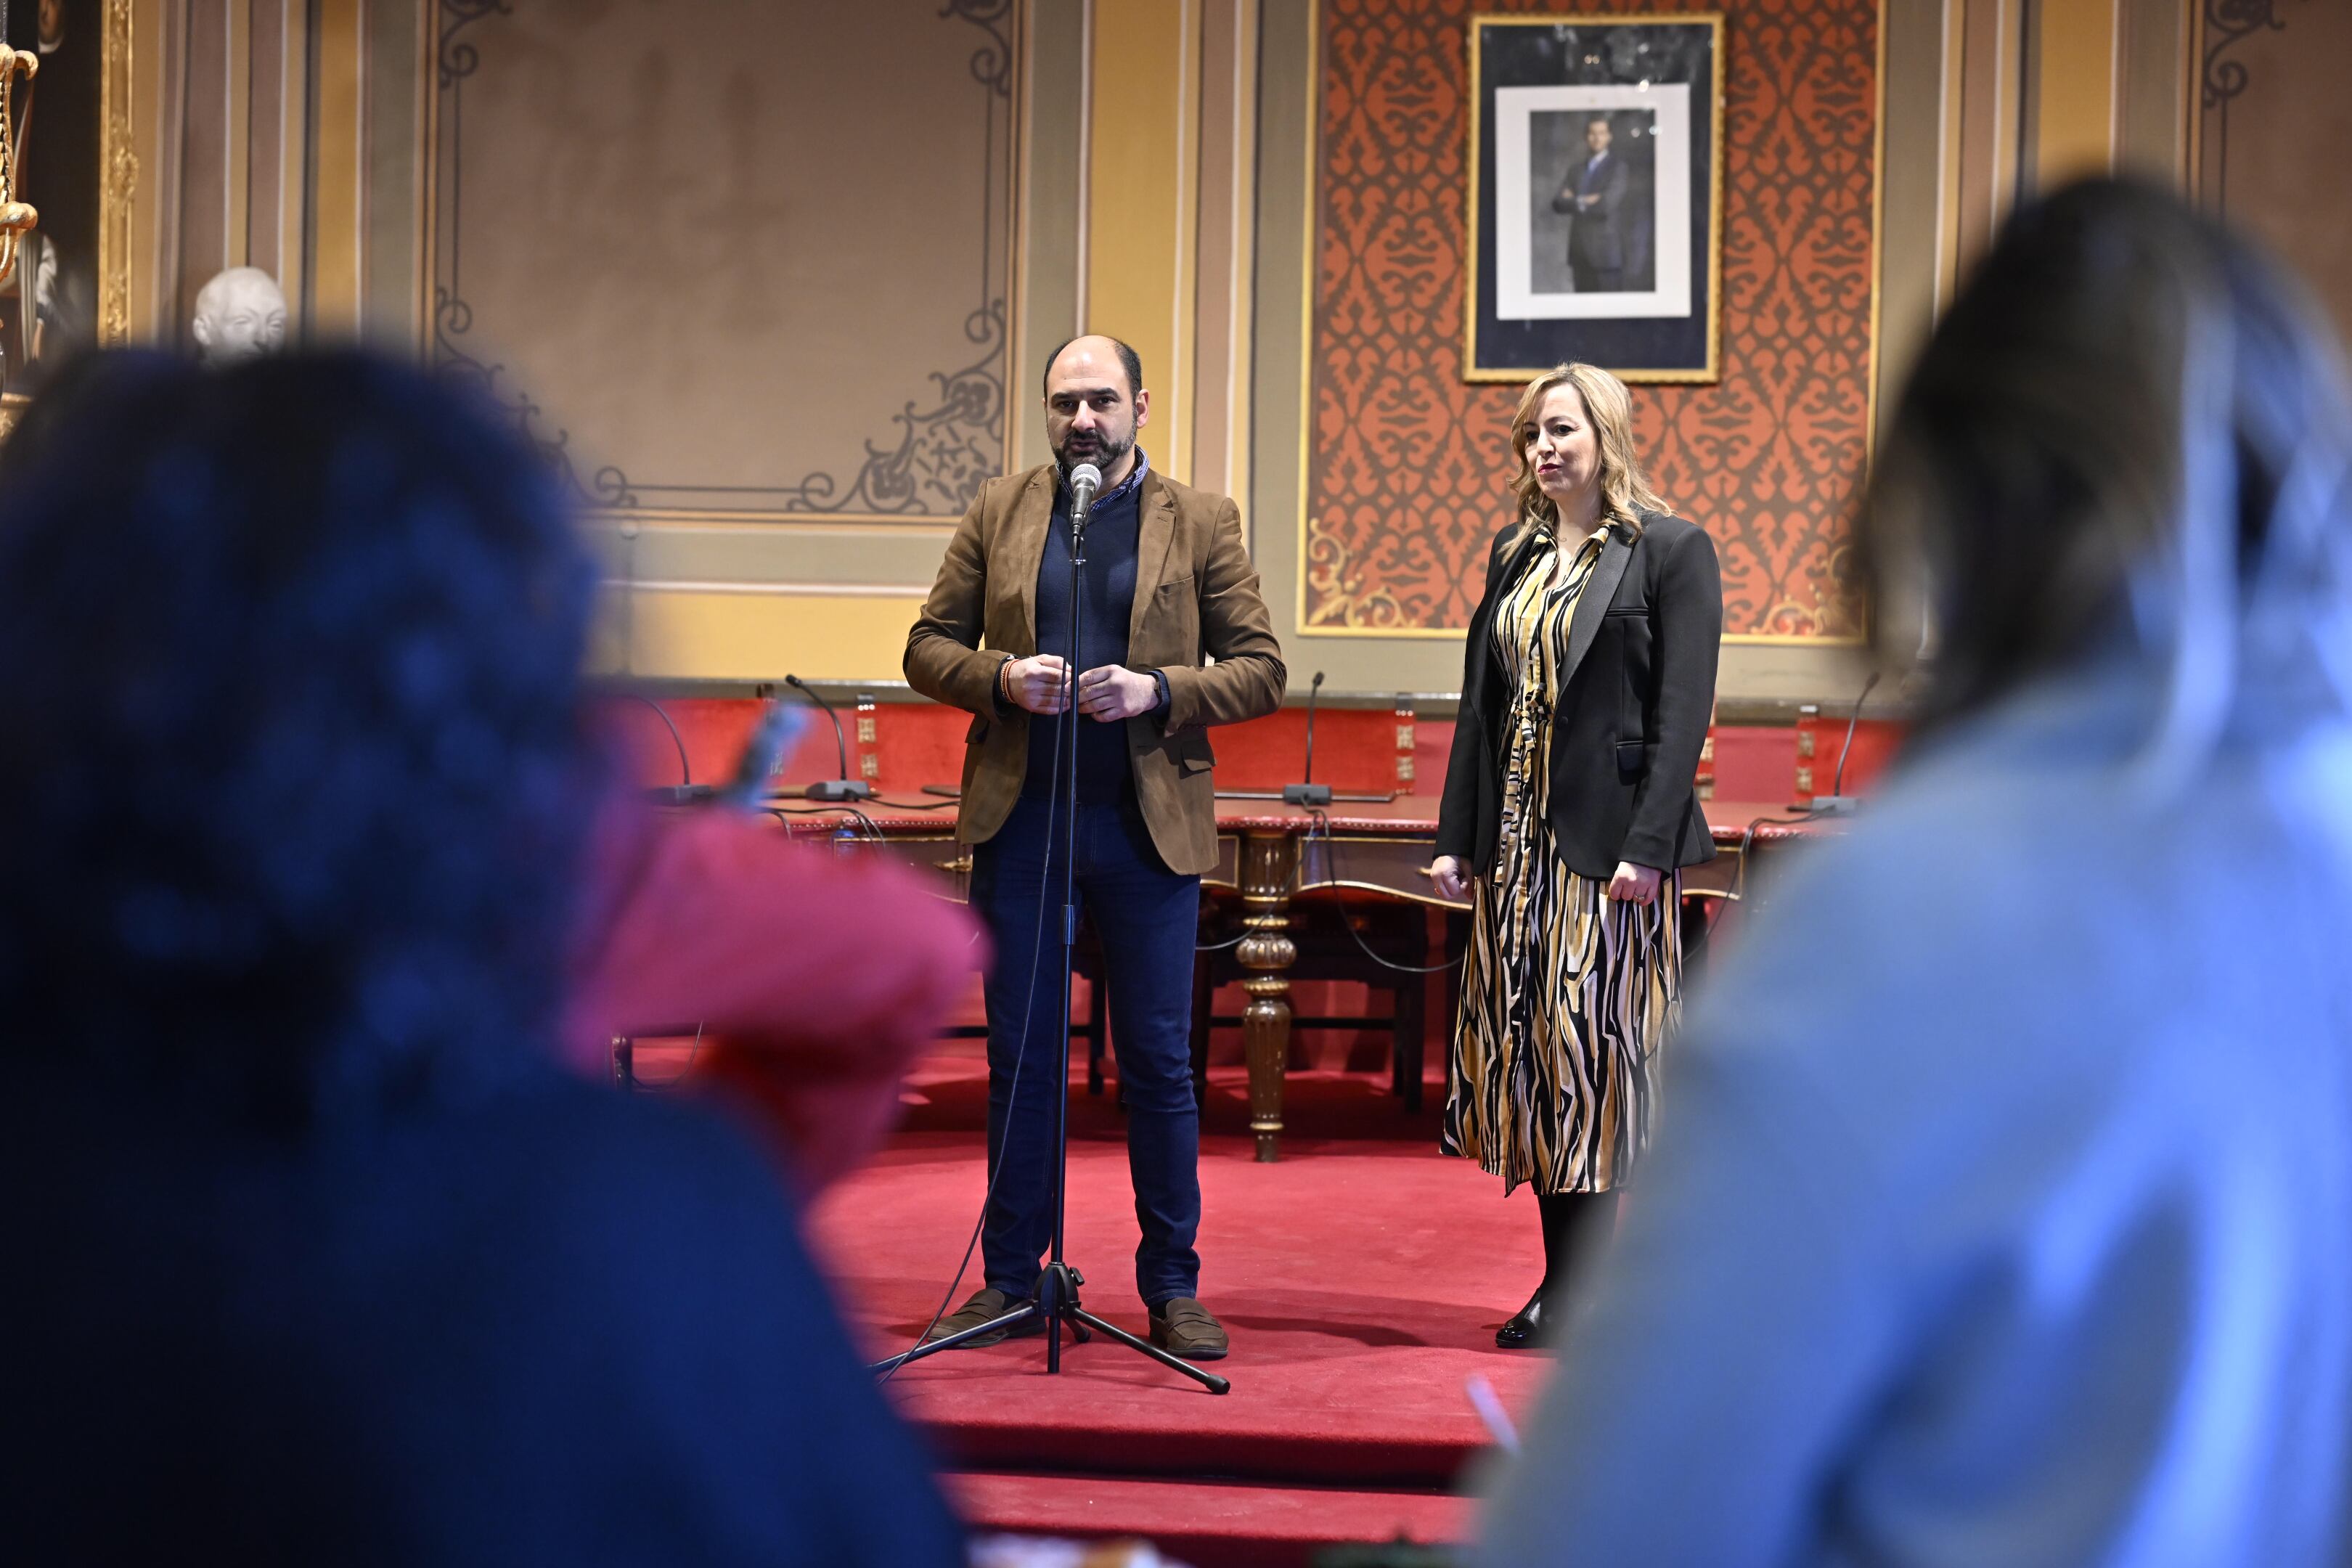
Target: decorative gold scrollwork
point(16, 219)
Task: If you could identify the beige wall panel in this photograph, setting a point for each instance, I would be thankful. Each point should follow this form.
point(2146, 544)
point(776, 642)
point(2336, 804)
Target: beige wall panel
point(1053, 202)
point(2272, 151)
point(271, 97)
point(2152, 134)
point(1912, 229)
point(209, 150)
point(392, 262)
point(2078, 80)
point(1990, 120)
point(1143, 147)
point(729, 249)
point(331, 292)
point(709, 635)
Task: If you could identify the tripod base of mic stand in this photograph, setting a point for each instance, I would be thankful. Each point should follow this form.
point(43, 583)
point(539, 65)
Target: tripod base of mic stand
point(1057, 1302)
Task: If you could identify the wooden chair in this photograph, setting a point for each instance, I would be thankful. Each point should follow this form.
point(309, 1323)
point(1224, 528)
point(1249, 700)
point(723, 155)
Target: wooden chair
point(1396, 932)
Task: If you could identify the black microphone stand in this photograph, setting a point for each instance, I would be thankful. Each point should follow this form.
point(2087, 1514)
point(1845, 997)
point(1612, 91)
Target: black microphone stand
point(1056, 1301)
point(1309, 793)
point(841, 788)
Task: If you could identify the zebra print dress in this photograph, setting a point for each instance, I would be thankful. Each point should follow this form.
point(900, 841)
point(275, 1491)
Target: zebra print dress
point(1566, 995)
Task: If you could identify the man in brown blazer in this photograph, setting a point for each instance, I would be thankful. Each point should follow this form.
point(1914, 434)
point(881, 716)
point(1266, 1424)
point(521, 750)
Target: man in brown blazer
point(1174, 638)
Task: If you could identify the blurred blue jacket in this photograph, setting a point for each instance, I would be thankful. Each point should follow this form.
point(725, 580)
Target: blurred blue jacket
point(2002, 1210)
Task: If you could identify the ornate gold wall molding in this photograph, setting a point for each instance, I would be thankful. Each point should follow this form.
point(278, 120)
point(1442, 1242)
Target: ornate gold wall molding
point(935, 450)
point(119, 182)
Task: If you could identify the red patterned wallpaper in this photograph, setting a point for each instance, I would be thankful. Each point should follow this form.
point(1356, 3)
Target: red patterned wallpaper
point(1407, 463)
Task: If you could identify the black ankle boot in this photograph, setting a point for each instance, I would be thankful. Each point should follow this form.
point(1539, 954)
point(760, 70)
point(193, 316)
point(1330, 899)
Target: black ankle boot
point(1525, 1330)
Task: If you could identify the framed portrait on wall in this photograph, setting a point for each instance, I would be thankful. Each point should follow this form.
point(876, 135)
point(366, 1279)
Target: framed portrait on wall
point(1595, 199)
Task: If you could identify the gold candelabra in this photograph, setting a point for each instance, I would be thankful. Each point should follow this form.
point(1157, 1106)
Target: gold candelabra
point(16, 219)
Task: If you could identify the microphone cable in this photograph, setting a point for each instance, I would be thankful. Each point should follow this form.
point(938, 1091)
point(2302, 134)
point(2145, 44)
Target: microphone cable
point(1837, 786)
point(1747, 845)
point(1020, 1055)
point(1322, 829)
point(868, 830)
point(685, 769)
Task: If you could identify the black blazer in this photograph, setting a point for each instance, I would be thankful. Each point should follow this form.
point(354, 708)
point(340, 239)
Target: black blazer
point(1632, 714)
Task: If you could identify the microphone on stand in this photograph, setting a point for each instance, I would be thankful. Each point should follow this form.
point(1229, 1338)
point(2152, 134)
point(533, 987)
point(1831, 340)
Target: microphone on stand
point(1085, 481)
point(778, 724)
point(1309, 793)
point(844, 787)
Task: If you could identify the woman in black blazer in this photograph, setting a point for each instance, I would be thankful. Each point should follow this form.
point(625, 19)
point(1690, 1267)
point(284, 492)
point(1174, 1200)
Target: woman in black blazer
point(1570, 808)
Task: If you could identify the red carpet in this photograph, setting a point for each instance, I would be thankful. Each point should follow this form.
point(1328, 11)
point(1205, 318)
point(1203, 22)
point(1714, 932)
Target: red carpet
point(1362, 1279)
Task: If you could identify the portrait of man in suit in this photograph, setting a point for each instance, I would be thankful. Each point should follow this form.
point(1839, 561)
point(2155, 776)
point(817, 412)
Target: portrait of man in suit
point(1593, 197)
point(1592, 194)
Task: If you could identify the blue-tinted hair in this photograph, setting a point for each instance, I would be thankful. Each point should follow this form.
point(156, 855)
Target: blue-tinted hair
point(299, 771)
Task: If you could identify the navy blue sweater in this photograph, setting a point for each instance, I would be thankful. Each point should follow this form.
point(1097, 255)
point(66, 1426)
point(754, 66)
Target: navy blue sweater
point(1106, 778)
point(561, 1326)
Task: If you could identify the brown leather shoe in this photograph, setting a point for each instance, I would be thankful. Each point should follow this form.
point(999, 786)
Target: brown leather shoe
point(1183, 1327)
point(984, 1305)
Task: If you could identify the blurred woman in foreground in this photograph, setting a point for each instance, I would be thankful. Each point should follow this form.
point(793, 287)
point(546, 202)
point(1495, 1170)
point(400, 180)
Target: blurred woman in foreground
point(2006, 1211)
point(315, 1253)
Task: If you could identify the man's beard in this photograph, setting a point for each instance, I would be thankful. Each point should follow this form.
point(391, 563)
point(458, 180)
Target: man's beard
point(1102, 452)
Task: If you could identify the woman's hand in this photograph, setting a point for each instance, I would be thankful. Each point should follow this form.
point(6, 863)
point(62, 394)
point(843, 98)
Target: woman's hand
point(1450, 876)
point(1636, 884)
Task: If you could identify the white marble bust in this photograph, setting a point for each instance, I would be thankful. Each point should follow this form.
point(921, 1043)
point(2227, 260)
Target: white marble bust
point(240, 314)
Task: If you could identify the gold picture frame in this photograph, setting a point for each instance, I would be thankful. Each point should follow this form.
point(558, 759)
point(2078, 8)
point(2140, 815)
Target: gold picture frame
point(1620, 71)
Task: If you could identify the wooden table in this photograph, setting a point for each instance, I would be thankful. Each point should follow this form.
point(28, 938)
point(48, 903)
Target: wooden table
point(1267, 854)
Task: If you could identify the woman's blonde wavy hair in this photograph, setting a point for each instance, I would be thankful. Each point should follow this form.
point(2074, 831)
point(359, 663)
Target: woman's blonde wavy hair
point(1625, 495)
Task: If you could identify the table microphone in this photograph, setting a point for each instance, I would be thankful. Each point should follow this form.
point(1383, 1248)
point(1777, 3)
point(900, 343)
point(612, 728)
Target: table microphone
point(844, 787)
point(1309, 793)
point(1836, 803)
point(778, 724)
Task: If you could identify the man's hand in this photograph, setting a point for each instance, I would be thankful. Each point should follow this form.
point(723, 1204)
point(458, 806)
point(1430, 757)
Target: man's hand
point(1115, 691)
point(1039, 684)
point(1636, 884)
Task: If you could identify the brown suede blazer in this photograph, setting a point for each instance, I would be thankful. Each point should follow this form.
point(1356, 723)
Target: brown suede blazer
point(1196, 594)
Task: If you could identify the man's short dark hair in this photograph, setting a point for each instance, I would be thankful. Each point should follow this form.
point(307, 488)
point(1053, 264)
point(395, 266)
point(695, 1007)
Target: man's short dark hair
point(307, 775)
point(1127, 358)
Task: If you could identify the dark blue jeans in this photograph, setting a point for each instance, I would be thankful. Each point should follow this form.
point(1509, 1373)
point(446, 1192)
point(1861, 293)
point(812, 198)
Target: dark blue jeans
point(1147, 917)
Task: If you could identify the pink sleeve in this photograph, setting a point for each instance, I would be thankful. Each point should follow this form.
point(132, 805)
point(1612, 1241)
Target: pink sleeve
point(821, 975)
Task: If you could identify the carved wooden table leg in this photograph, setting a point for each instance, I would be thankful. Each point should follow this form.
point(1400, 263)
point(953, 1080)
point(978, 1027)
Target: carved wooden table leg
point(1269, 867)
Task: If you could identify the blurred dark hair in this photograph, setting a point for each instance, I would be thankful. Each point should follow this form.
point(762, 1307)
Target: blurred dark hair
point(301, 773)
point(2129, 428)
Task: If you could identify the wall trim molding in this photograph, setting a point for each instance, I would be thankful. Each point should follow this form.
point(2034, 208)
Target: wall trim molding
point(970, 397)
